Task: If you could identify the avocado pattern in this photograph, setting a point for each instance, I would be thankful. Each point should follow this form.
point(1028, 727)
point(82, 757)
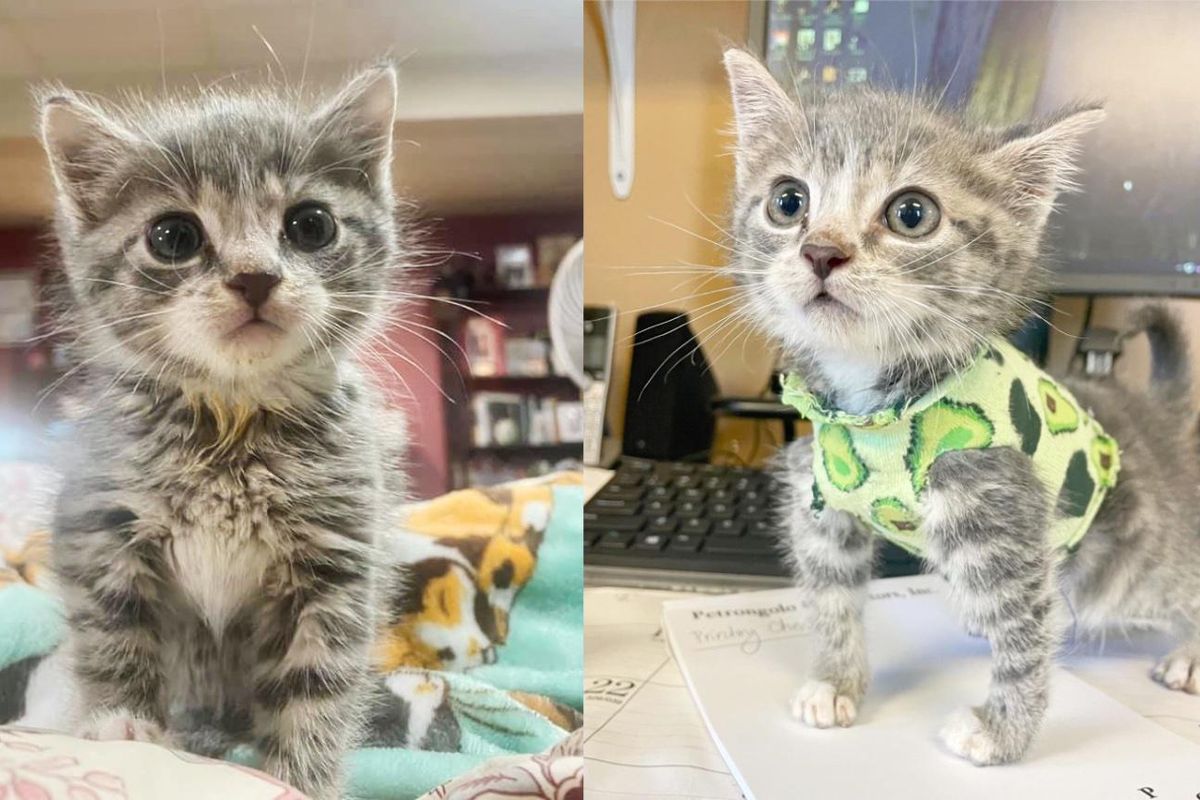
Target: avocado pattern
point(876, 466)
point(1061, 414)
point(1104, 459)
point(1078, 486)
point(944, 426)
point(845, 469)
point(892, 515)
point(1024, 418)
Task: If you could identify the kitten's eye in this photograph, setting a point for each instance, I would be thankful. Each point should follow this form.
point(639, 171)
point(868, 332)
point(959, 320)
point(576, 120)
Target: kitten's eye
point(174, 237)
point(788, 203)
point(912, 214)
point(310, 227)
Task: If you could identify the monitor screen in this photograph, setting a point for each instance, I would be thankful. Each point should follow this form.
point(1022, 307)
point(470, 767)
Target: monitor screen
point(1135, 225)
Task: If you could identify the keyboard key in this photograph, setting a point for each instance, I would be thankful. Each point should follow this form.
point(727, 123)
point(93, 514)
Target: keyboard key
point(662, 524)
point(659, 507)
point(616, 505)
point(628, 478)
point(763, 528)
point(691, 493)
point(723, 496)
point(637, 464)
point(653, 542)
point(721, 510)
point(696, 525)
point(661, 493)
point(623, 492)
point(619, 523)
point(718, 545)
point(715, 482)
point(685, 542)
point(614, 540)
point(681, 468)
point(729, 527)
point(753, 510)
point(689, 508)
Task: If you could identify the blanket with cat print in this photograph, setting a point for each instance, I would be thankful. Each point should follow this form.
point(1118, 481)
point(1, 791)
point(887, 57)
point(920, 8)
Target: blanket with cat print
point(481, 658)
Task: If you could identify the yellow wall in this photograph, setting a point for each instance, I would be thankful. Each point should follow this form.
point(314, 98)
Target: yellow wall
point(680, 161)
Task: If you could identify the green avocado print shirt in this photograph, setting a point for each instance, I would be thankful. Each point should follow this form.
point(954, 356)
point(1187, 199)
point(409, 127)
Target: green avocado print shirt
point(875, 466)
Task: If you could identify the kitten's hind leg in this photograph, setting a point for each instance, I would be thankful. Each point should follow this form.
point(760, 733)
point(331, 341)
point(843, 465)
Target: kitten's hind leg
point(985, 517)
point(831, 555)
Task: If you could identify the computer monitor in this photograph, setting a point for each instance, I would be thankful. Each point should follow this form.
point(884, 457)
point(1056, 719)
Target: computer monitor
point(1134, 228)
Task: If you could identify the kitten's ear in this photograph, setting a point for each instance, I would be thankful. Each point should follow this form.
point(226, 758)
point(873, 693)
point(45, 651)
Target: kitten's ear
point(759, 102)
point(82, 142)
point(361, 117)
point(1040, 158)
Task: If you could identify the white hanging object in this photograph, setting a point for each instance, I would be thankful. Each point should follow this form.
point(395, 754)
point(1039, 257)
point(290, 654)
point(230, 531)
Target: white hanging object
point(618, 19)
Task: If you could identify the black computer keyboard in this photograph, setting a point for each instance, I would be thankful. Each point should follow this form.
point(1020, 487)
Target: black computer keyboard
point(672, 515)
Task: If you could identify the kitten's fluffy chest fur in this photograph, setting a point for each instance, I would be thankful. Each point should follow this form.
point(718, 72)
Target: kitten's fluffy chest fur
point(230, 497)
point(851, 383)
point(224, 541)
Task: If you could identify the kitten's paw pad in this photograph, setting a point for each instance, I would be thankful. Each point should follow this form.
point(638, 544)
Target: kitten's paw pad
point(965, 735)
point(818, 705)
point(121, 725)
point(1180, 671)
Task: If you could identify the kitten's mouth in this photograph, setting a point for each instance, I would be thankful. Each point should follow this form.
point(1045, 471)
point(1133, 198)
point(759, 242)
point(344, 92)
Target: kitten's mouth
point(254, 331)
point(824, 300)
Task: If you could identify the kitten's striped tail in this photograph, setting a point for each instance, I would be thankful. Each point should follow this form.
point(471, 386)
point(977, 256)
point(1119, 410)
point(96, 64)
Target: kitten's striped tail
point(1170, 368)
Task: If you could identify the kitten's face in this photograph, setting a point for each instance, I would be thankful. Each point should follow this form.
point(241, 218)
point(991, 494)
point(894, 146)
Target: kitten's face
point(866, 224)
point(224, 238)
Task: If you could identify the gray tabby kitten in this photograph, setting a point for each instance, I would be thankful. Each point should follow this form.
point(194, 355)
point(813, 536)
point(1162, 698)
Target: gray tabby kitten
point(229, 469)
point(871, 310)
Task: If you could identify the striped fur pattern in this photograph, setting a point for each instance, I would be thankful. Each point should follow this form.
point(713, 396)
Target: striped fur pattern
point(216, 539)
point(909, 312)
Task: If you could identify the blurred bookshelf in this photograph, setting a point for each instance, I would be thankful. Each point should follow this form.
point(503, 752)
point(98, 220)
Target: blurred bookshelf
point(509, 414)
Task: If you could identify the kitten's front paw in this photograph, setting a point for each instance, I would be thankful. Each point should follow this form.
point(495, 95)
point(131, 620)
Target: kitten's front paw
point(818, 705)
point(121, 725)
point(1180, 670)
point(965, 735)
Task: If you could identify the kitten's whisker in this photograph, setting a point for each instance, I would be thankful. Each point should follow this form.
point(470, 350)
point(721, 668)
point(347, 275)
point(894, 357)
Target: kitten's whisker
point(709, 333)
point(411, 362)
point(941, 257)
point(125, 285)
point(73, 370)
point(698, 336)
point(679, 299)
point(713, 242)
point(679, 321)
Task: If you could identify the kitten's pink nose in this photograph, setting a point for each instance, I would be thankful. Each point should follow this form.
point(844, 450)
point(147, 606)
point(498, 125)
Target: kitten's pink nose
point(254, 287)
point(824, 259)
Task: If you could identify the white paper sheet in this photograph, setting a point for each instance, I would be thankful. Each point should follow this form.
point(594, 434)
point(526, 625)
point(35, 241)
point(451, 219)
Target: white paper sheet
point(743, 656)
point(643, 737)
